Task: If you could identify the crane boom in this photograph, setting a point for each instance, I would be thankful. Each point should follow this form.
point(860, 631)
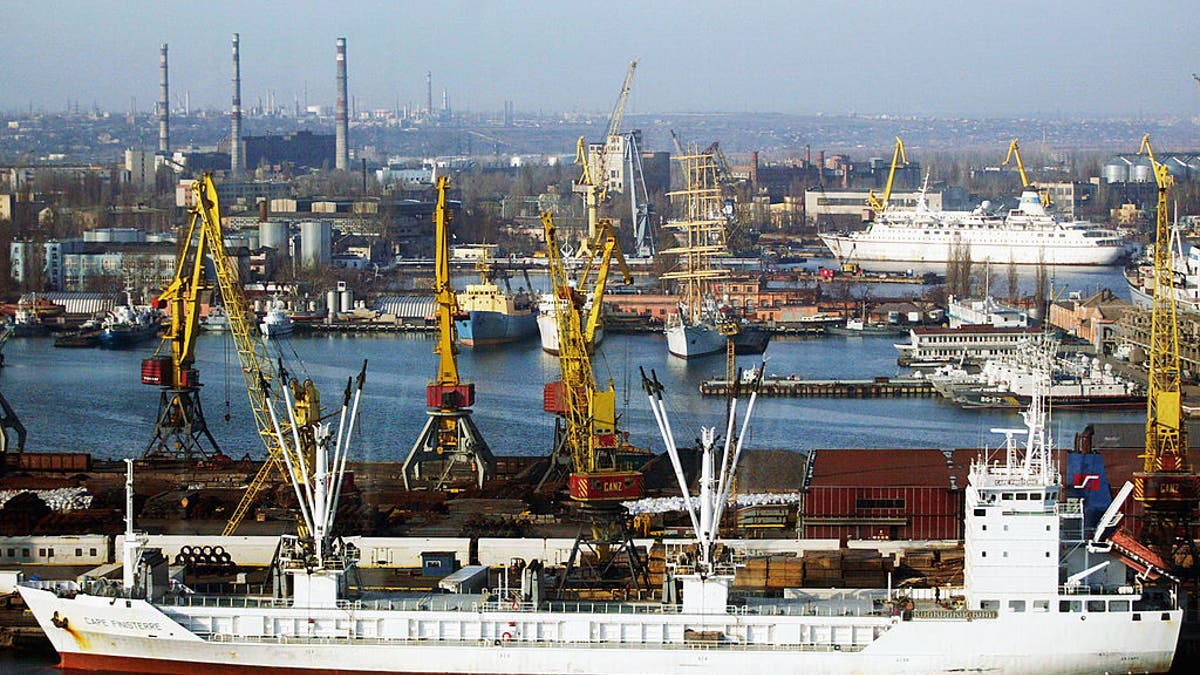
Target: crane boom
point(1014, 151)
point(880, 205)
point(618, 113)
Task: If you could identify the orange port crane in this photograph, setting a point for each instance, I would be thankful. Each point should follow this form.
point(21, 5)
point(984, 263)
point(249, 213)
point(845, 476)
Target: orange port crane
point(450, 442)
point(181, 431)
point(1167, 486)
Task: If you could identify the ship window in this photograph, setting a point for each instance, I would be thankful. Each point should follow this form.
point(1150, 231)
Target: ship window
point(1137, 616)
point(1007, 496)
point(983, 554)
point(993, 605)
point(981, 512)
point(1021, 496)
point(1041, 605)
point(12, 552)
point(985, 528)
point(1070, 606)
point(1095, 605)
point(41, 553)
point(1016, 605)
point(78, 553)
point(92, 552)
point(1118, 605)
point(24, 553)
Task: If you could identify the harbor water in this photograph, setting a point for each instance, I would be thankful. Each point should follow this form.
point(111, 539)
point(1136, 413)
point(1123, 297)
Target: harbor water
point(94, 401)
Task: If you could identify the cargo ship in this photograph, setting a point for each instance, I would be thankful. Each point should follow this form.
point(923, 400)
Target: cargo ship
point(1026, 235)
point(1042, 593)
point(493, 316)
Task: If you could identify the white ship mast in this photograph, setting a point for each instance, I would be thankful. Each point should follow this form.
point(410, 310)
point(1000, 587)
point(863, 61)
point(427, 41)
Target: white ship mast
point(706, 583)
point(316, 561)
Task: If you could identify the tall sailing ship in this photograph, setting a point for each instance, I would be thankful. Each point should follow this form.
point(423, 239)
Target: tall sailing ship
point(692, 330)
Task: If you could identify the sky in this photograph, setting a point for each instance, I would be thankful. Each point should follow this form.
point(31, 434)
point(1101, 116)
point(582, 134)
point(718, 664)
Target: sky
point(940, 58)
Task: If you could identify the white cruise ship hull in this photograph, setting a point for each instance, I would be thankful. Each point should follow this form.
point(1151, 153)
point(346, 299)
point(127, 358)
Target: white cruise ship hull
point(998, 246)
point(95, 632)
point(690, 341)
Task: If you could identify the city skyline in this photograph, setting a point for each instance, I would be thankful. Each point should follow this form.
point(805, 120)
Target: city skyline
point(1024, 58)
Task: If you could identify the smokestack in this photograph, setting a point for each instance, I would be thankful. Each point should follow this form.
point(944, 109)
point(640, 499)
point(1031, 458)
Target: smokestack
point(235, 145)
point(342, 124)
point(164, 110)
point(429, 93)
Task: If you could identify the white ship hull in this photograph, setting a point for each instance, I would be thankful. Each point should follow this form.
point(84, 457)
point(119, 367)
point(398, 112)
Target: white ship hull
point(547, 325)
point(136, 636)
point(690, 341)
point(999, 246)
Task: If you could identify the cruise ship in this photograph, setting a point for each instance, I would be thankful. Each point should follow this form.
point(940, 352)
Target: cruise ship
point(1027, 234)
point(1041, 594)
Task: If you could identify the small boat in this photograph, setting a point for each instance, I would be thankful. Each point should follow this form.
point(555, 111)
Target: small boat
point(277, 322)
point(88, 335)
point(859, 328)
point(217, 320)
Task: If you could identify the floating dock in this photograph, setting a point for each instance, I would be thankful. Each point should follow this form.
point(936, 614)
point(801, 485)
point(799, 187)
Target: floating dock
point(880, 387)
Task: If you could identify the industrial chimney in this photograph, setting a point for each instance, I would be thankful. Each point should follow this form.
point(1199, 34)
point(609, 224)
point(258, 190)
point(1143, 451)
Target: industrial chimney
point(235, 140)
point(340, 120)
point(164, 110)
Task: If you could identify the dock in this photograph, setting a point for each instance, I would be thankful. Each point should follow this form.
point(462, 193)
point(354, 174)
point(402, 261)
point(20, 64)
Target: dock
point(880, 387)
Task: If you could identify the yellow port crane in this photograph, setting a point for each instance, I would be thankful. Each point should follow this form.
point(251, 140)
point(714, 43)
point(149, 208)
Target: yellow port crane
point(257, 368)
point(1167, 486)
point(450, 441)
point(181, 431)
point(898, 159)
point(1015, 151)
point(588, 438)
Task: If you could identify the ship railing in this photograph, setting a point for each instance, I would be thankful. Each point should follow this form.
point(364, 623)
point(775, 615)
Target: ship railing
point(535, 644)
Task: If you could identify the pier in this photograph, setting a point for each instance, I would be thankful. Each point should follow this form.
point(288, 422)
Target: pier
point(880, 387)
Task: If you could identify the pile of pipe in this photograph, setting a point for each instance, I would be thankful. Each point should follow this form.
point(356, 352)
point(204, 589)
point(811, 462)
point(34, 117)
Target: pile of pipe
point(58, 499)
point(670, 504)
point(205, 559)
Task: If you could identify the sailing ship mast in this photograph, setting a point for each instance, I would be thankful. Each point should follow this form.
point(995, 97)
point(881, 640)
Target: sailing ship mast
point(701, 233)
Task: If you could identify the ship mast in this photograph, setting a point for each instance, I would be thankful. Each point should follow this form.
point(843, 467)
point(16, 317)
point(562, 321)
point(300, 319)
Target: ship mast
point(700, 230)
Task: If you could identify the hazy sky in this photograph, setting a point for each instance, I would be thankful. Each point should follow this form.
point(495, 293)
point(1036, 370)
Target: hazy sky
point(972, 58)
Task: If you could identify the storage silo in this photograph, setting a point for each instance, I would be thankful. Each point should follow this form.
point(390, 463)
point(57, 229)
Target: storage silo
point(1116, 171)
point(316, 241)
point(1141, 173)
point(273, 234)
